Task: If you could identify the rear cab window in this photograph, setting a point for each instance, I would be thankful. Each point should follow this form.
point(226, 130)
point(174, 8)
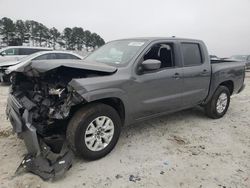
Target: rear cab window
point(191, 54)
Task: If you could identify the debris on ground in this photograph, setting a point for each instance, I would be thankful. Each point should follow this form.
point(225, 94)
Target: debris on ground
point(166, 163)
point(134, 178)
point(5, 132)
point(48, 165)
point(118, 176)
point(220, 144)
point(178, 140)
point(202, 147)
point(195, 151)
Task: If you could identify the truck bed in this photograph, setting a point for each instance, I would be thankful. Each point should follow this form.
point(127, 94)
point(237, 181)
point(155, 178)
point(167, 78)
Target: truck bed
point(224, 70)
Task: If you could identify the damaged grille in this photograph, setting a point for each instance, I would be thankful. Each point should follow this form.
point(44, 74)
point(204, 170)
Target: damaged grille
point(47, 99)
point(39, 107)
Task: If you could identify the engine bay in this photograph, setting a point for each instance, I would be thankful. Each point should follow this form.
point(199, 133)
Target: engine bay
point(45, 103)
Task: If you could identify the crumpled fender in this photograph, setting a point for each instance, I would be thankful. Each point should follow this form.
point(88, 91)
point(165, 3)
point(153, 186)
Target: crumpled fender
point(97, 88)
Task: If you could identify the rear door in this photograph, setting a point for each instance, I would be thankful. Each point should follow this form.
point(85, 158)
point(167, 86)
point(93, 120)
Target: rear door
point(196, 72)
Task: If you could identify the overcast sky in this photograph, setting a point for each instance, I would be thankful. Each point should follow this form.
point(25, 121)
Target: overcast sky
point(223, 24)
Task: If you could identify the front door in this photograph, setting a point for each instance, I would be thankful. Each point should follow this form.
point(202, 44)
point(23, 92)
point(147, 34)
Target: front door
point(158, 91)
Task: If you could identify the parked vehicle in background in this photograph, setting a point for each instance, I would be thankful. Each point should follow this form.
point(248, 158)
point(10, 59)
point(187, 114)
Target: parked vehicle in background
point(244, 58)
point(214, 57)
point(13, 53)
point(42, 55)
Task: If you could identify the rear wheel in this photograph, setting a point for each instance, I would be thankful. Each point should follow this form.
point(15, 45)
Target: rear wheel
point(219, 103)
point(94, 131)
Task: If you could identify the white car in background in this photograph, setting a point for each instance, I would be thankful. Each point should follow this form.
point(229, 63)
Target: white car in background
point(42, 55)
point(13, 53)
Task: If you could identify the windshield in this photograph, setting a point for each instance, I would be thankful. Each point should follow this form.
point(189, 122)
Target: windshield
point(239, 57)
point(116, 53)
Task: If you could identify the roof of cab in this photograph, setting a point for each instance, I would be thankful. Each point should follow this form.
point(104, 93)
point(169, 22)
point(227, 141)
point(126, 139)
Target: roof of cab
point(150, 39)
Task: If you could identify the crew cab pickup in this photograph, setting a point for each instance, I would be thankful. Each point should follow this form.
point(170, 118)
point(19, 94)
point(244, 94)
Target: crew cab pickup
point(126, 81)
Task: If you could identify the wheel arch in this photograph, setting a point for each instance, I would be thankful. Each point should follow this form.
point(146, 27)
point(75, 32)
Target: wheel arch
point(114, 102)
point(229, 84)
point(215, 85)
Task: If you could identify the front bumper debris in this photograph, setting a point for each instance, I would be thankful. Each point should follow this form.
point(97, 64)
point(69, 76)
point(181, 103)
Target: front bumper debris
point(48, 165)
point(48, 157)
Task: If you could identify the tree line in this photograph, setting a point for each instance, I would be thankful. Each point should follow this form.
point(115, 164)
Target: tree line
point(29, 31)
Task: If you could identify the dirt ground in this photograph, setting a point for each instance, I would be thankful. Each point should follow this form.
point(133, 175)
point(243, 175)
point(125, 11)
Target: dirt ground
point(185, 149)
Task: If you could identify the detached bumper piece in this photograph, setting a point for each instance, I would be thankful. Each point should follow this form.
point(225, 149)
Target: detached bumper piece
point(48, 165)
point(47, 157)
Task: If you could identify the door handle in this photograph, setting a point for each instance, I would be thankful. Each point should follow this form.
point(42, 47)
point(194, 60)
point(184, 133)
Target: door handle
point(204, 72)
point(176, 76)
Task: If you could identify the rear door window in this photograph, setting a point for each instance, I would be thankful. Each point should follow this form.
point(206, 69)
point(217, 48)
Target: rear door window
point(191, 54)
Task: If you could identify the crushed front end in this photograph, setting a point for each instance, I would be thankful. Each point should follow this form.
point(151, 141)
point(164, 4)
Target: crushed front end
point(38, 109)
point(40, 104)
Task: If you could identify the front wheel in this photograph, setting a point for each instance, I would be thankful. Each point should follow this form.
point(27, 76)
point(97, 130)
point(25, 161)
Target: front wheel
point(219, 103)
point(94, 130)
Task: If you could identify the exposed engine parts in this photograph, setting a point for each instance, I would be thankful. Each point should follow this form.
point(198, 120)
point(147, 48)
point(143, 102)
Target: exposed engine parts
point(40, 104)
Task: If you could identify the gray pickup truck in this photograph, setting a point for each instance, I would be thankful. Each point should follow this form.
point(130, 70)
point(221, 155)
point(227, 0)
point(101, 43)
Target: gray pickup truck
point(85, 104)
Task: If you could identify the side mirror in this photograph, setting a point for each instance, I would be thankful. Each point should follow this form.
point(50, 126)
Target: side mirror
point(151, 64)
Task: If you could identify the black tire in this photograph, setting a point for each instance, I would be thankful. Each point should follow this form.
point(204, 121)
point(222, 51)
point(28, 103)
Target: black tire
point(78, 126)
point(211, 109)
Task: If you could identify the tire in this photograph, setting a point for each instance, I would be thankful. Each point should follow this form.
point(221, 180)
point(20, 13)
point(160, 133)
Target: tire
point(84, 122)
point(211, 108)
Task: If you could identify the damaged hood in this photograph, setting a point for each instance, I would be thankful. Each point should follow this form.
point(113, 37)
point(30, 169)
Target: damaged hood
point(43, 66)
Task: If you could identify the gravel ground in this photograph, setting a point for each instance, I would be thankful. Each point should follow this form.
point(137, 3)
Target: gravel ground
point(185, 149)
